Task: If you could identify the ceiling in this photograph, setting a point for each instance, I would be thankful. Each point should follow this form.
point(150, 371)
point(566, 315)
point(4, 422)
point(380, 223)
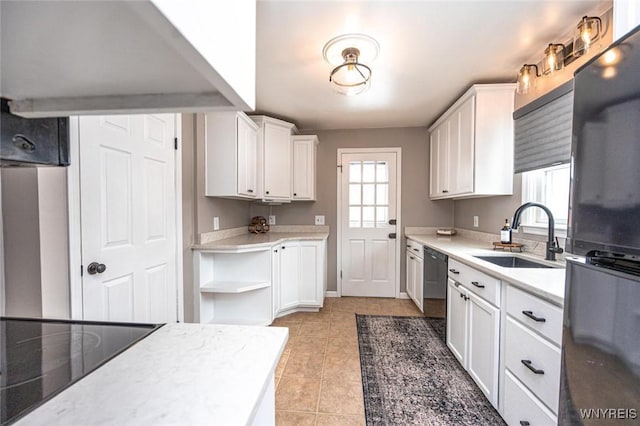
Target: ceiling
point(430, 53)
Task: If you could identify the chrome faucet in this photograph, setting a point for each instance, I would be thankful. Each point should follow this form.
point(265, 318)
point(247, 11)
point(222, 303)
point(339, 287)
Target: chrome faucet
point(553, 246)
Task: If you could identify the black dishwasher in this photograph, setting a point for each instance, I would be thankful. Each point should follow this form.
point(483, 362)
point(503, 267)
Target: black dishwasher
point(435, 283)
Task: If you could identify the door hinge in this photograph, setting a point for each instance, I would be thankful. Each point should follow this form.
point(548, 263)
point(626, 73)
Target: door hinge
point(175, 143)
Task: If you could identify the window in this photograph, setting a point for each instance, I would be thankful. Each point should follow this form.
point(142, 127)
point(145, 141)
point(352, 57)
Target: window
point(549, 186)
point(368, 194)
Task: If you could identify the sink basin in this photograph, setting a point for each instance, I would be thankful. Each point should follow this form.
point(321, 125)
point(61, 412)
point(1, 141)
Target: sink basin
point(512, 262)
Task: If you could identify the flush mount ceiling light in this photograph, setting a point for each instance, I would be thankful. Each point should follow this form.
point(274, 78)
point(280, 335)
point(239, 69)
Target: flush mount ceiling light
point(349, 54)
point(527, 78)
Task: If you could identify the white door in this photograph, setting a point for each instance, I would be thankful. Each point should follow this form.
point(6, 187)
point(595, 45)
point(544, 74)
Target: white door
point(367, 204)
point(128, 217)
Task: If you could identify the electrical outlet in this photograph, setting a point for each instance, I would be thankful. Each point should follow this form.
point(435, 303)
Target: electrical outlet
point(216, 223)
point(475, 222)
point(319, 220)
point(272, 219)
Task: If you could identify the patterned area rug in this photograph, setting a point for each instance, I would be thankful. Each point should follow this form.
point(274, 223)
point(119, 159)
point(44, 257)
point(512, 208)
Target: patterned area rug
point(410, 377)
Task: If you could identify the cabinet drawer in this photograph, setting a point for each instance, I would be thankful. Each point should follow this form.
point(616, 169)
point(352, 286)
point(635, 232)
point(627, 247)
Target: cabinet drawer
point(415, 248)
point(520, 405)
point(475, 281)
point(522, 344)
point(535, 313)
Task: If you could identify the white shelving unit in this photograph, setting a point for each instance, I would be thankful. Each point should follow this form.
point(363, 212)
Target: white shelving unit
point(233, 287)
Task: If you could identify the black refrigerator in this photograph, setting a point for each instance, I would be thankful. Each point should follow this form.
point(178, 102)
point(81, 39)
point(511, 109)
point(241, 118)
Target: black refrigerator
point(600, 380)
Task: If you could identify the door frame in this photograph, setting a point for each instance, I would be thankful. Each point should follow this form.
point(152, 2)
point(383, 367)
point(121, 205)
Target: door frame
point(341, 151)
point(75, 227)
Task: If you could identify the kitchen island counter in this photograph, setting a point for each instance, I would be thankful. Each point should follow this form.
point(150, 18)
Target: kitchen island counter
point(180, 374)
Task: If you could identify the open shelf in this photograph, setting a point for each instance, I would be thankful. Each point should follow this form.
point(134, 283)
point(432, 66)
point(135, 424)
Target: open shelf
point(233, 286)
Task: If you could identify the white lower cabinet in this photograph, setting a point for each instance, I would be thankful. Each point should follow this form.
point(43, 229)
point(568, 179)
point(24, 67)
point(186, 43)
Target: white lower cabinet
point(299, 276)
point(414, 274)
point(532, 358)
point(473, 331)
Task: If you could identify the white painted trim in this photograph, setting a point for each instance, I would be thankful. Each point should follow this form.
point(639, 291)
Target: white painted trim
point(75, 227)
point(178, 216)
point(340, 152)
point(403, 295)
point(331, 293)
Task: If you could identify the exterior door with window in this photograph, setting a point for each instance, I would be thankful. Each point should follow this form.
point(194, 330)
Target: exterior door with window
point(127, 175)
point(368, 209)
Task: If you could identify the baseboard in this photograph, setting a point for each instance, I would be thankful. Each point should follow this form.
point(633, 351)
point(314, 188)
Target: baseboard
point(404, 295)
point(331, 293)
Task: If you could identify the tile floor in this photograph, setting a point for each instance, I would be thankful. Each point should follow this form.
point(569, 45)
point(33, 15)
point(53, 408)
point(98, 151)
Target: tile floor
point(318, 379)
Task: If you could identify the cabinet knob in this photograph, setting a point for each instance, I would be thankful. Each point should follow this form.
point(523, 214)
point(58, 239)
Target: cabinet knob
point(444, 191)
point(266, 192)
point(249, 190)
point(283, 247)
point(275, 251)
point(295, 195)
point(524, 423)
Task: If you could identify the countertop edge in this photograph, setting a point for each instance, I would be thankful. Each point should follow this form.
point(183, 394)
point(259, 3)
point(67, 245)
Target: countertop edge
point(236, 243)
point(472, 246)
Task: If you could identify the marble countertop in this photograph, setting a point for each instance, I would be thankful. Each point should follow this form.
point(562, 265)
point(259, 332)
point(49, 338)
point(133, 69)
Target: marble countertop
point(180, 374)
point(547, 283)
point(257, 241)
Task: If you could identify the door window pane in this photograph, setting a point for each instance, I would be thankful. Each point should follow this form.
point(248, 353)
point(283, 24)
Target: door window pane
point(368, 217)
point(382, 171)
point(354, 194)
point(354, 217)
point(368, 193)
point(368, 171)
point(382, 215)
point(382, 193)
point(355, 171)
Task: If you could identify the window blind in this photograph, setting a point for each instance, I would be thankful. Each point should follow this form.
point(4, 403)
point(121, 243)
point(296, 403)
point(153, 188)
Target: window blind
point(543, 130)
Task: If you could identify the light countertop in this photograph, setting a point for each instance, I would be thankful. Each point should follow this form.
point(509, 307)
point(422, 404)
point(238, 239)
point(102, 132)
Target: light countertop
point(257, 241)
point(180, 374)
point(547, 283)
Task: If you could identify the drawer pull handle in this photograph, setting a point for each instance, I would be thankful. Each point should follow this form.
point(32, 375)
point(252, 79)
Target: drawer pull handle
point(529, 314)
point(477, 284)
point(527, 363)
point(454, 271)
point(415, 249)
point(411, 257)
point(524, 423)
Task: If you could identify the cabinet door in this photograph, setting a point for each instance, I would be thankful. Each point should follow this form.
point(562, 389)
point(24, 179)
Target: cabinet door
point(419, 283)
point(457, 321)
point(464, 153)
point(275, 279)
point(247, 157)
point(304, 169)
point(310, 276)
point(410, 274)
point(289, 275)
point(484, 326)
point(277, 161)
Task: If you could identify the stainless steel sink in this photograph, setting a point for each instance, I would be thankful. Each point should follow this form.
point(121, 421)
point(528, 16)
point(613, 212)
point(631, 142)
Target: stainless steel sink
point(512, 262)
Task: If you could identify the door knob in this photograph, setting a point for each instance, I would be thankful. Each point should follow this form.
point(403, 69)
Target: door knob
point(96, 268)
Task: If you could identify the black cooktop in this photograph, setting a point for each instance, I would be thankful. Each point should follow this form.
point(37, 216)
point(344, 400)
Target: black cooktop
point(39, 358)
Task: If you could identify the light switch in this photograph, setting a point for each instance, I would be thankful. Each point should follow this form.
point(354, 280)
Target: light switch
point(272, 219)
point(216, 223)
point(319, 220)
point(475, 221)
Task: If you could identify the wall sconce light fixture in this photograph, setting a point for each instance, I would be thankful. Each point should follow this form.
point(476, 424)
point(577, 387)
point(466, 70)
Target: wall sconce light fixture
point(553, 58)
point(588, 31)
point(527, 77)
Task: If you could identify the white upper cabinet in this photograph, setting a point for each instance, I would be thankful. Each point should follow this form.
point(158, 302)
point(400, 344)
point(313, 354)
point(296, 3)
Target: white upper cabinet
point(89, 57)
point(304, 167)
point(231, 155)
point(274, 158)
point(471, 145)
